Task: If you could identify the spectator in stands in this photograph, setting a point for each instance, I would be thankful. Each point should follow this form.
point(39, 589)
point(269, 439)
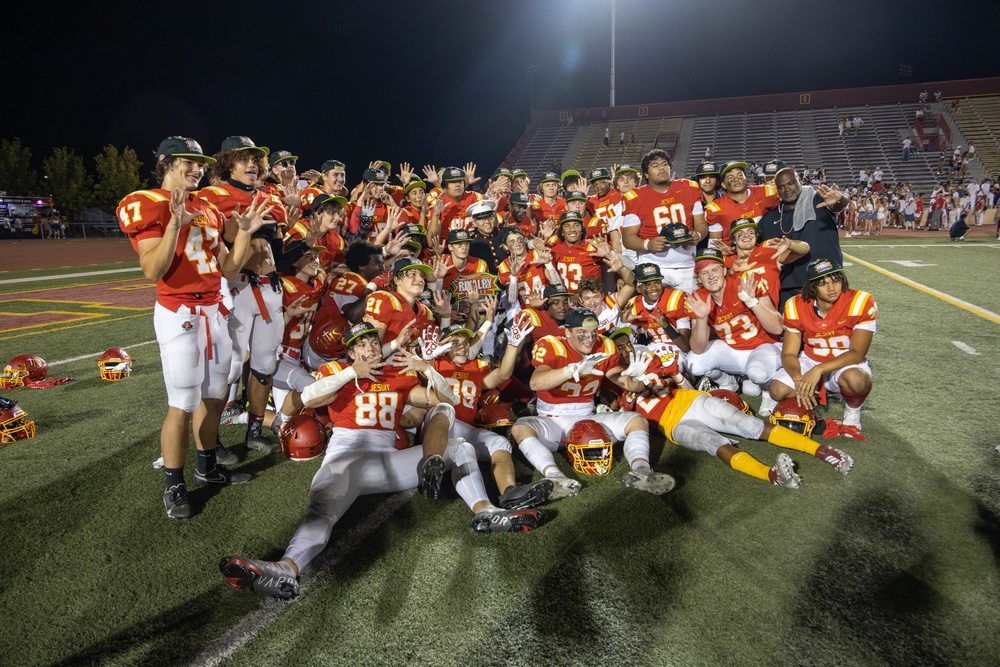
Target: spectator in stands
point(857, 123)
point(877, 177)
point(621, 139)
point(847, 125)
point(804, 214)
point(607, 133)
point(937, 95)
point(840, 127)
point(907, 145)
point(971, 152)
point(863, 179)
point(708, 153)
point(923, 96)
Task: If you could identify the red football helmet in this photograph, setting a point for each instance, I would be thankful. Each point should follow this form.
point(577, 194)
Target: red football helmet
point(302, 438)
point(14, 422)
point(327, 336)
point(115, 364)
point(24, 367)
point(733, 399)
point(494, 416)
point(589, 448)
point(794, 417)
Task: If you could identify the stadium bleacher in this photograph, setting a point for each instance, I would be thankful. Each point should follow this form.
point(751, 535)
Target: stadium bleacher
point(802, 137)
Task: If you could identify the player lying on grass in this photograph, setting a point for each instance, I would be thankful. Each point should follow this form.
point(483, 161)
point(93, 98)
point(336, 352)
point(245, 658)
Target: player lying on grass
point(828, 329)
point(695, 420)
point(365, 401)
point(568, 372)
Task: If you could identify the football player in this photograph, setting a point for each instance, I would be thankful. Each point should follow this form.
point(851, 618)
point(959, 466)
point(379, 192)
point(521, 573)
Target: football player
point(707, 176)
point(695, 420)
point(370, 213)
point(256, 325)
point(740, 201)
point(457, 261)
point(365, 401)
point(468, 378)
point(828, 329)
point(603, 204)
point(657, 310)
point(576, 258)
point(449, 210)
point(763, 261)
point(548, 205)
point(177, 237)
point(568, 373)
point(333, 174)
point(607, 307)
point(391, 311)
point(747, 329)
point(649, 208)
point(524, 271)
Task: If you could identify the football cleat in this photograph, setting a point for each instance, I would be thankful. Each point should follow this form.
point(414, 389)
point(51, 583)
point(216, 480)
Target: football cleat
point(564, 487)
point(841, 461)
point(262, 577)
point(507, 521)
point(705, 384)
point(656, 483)
point(852, 418)
point(431, 473)
point(220, 475)
point(225, 456)
point(727, 381)
point(767, 405)
point(526, 496)
point(783, 474)
point(175, 501)
point(230, 413)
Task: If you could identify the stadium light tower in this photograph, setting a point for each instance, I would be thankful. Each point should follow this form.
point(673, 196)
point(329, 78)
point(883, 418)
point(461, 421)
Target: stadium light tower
point(612, 52)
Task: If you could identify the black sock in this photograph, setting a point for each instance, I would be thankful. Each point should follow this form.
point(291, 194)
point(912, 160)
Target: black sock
point(175, 476)
point(206, 460)
point(255, 426)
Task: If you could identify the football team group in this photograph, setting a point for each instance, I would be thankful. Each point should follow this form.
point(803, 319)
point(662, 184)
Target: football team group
point(413, 330)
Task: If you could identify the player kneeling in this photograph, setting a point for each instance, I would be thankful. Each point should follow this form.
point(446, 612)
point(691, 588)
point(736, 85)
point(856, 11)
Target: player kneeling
point(365, 401)
point(695, 420)
point(828, 329)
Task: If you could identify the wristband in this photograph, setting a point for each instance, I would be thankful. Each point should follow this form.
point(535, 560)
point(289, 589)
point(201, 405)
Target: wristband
point(750, 302)
point(485, 328)
point(645, 245)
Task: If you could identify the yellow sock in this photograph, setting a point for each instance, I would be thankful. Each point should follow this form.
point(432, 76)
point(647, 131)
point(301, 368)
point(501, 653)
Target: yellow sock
point(789, 439)
point(747, 464)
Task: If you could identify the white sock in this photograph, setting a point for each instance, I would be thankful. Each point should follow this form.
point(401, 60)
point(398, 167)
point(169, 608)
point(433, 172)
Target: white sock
point(539, 456)
point(636, 450)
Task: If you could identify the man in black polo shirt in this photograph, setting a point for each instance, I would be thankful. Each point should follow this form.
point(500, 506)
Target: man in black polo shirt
point(805, 213)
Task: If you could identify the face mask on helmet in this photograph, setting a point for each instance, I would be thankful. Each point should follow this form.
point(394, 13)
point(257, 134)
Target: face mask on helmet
point(589, 448)
point(115, 364)
point(794, 417)
point(733, 399)
point(21, 368)
point(14, 422)
point(302, 438)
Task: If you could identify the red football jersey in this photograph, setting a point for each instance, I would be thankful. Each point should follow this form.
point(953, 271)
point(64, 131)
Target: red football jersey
point(543, 323)
point(830, 335)
point(670, 303)
point(228, 197)
point(603, 209)
point(540, 211)
point(297, 328)
point(378, 404)
point(725, 209)
point(576, 262)
point(194, 276)
point(391, 310)
point(453, 215)
point(306, 197)
point(680, 203)
point(767, 272)
point(466, 381)
point(529, 278)
point(473, 265)
point(571, 398)
point(379, 219)
point(733, 321)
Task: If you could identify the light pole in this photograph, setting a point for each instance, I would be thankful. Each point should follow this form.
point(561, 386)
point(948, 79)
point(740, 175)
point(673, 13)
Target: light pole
point(530, 72)
point(612, 52)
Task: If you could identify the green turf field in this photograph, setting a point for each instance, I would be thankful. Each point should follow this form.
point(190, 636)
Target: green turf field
point(896, 564)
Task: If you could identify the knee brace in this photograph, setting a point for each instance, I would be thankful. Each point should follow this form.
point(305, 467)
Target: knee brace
point(263, 378)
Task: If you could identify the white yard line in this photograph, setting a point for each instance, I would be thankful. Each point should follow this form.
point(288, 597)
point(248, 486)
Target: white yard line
point(920, 245)
point(60, 276)
point(968, 349)
point(268, 611)
point(95, 354)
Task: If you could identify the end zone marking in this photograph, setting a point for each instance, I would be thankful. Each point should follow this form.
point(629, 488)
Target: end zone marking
point(968, 349)
point(964, 305)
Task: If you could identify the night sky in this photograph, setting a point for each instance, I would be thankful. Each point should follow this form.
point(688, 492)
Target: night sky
point(440, 81)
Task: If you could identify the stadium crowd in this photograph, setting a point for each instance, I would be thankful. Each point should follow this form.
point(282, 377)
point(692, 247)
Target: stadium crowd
point(419, 326)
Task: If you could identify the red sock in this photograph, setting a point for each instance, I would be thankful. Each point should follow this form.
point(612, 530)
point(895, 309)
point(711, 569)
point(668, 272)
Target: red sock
point(854, 401)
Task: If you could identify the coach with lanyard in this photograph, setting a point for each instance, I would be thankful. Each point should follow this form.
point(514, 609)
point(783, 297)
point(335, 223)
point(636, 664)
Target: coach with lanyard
point(805, 213)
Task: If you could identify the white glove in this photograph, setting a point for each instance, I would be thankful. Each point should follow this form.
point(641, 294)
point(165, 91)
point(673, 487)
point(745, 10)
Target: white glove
point(521, 329)
point(586, 366)
point(637, 369)
point(430, 347)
